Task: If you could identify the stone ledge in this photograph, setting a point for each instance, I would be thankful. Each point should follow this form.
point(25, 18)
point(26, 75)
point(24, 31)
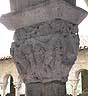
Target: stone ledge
point(28, 17)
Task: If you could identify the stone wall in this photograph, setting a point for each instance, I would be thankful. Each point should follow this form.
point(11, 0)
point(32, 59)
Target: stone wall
point(80, 64)
point(8, 67)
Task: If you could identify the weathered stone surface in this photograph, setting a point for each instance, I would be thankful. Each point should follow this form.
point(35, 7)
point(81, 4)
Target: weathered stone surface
point(43, 12)
point(45, 43)
point(46, 51)
point(54, 88)
point(19, 5)
point(72, 2)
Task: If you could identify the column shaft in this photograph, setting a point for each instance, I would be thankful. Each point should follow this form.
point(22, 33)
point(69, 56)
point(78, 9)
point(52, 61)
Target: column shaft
point(46, 89)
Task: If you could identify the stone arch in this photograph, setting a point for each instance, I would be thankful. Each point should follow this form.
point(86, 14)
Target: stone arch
point(84, 76)
point(78, 67)
point(5, 82)
point(78, 72)
point(17, 82)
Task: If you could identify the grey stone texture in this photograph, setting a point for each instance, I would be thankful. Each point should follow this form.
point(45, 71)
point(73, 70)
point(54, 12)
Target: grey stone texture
point(43, 12)
point(46, 51)
point(19, 5)
point(44, 54)
point(46, 42)
point(72, 2)
point(54, 88)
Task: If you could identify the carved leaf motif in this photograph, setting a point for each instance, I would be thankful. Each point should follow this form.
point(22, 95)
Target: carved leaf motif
point(46, 51)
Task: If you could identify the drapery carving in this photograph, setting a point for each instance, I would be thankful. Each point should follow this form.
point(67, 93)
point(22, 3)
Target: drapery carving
point(45, 51)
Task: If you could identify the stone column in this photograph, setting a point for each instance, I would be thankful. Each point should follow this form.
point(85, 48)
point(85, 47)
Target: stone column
point(74, 86)
point(46, 44)
point(17, 86)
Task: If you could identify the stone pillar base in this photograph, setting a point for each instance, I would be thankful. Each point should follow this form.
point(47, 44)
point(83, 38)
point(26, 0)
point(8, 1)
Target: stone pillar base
point(54, 88)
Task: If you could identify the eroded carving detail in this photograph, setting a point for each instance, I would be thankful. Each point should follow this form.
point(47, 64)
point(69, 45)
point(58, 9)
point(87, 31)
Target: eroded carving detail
point(45, 51)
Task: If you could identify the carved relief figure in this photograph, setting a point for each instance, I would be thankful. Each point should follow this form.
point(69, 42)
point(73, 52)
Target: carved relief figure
point(45, 52)
point(46, 43)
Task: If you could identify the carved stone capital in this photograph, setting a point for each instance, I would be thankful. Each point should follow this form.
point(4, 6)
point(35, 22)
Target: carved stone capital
point(45, 51)
point(46, 43)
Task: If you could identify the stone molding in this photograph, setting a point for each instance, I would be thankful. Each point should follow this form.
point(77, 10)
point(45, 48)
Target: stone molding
point(43, 12)
point(19, 5)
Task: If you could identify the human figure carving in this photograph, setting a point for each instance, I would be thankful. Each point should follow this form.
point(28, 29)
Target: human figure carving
point(46, 43)
point(44, 53)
